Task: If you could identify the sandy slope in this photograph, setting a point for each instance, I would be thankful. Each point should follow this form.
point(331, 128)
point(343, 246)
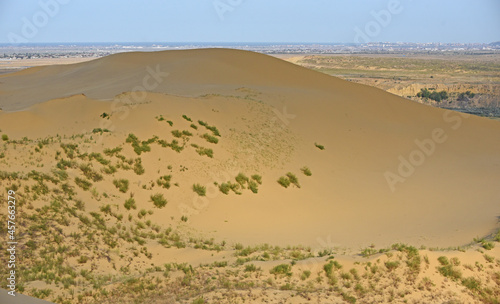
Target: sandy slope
point(449, 199)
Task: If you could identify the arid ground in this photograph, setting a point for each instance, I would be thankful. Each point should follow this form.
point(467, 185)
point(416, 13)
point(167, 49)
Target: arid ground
point(224, 176)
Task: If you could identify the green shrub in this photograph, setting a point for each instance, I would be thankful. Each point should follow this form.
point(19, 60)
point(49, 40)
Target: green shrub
point(5, 137)
point(177, 133)
point(89, 173)
point(391, 265)
point(306, 171)
point(211, 139)
point(241, 179)
point(472, 284)
point(199, 300)
point(225, 188)
point(186, 118)
point(321, 147)
point(164, 181)
point(204, 151)
point(450, 271)
point(305, 275)
point(443, 260)
point(199, 189)
point(138, 168)
point(293, 179)
point(130, 204)
point(158, 200)
point(252, 185)
point(257, 178)
point(112, 152)
point(194, 126)
point(83, 183)
point(487, 245)
point(285, 182)
point(250, 268)
point(109, 169)
point(282, 269)
point(121, 184)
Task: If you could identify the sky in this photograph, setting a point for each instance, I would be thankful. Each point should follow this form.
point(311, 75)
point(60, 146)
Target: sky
point(233, 21)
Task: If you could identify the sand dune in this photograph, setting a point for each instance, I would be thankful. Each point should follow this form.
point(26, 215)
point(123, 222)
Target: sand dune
point(390, 171)
point(447, 200)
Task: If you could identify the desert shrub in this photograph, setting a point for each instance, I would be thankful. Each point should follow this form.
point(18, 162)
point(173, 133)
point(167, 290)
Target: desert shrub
point(443, 260)
point(252, 185)
point(194, 126)
point(83, 183)
point(99, 130)
point(164, 181)
point(70, 150)
point(283, 181)
point(158, 200)
point(130, 204)
point(211, 139)
point(99, 158)
point(257, 178)
point(306, 171)
point(138, 168)
point(241, 179)
point(121, 184)
point(305, 275)
point(472, 284)
point(171, 123)
point(225, 188)
point(139, 147)
point(204, 151)
point(293, 179)
point(199, 300)
point(321, 147)
point(487, 245)
point(186, 133)
point(60, 174)
point(112, 152)
point(109, 169)
point(186, 118)
point(282, 269)
point(89, 173)
point(214, 130)
point(450, 271)
point(5, 137)
point(199, 189)
point(177, 133)
point(391, 265)
point(250, 268)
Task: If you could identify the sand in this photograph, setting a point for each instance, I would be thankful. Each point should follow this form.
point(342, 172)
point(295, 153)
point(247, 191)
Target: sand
point(364, 189)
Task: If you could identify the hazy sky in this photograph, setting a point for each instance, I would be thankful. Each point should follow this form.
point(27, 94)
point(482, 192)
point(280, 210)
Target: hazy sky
point(325, 21)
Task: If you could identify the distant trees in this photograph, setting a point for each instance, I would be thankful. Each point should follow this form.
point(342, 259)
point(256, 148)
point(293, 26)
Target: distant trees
point(437, 96)
point(465, 96)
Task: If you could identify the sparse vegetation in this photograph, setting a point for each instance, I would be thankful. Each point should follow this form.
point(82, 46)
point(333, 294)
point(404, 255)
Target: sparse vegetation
point(130, 204)
point(306, 171)
point(121, 184)
point(285, 182)
point(83, 183)
point(199, 189)
point(158, 200)
point(321, 147)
